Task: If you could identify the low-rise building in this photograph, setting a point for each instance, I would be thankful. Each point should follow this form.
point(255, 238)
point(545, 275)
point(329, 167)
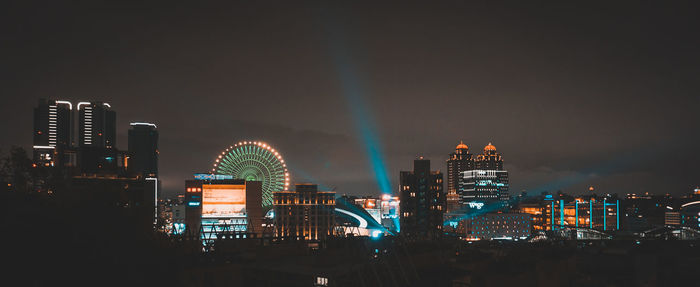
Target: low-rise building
point(305, 213)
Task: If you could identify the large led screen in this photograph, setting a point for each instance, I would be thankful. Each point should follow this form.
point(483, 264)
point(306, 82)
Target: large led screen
point(223, 200)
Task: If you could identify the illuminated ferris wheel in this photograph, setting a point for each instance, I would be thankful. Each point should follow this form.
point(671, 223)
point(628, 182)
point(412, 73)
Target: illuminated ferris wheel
point(255, 161)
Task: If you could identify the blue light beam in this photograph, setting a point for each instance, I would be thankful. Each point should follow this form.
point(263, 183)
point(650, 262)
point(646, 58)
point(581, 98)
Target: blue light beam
point(354, 92)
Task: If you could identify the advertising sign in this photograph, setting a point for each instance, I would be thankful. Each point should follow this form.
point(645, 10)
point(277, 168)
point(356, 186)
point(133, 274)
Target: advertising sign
point(223, 200)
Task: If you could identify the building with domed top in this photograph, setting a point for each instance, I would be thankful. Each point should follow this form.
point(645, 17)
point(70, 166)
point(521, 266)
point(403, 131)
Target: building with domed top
point(460, 160)
point(476, 180)
point(489, 160)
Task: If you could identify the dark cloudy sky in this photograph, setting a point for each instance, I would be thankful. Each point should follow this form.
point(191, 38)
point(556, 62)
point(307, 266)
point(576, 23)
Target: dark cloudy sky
point(572, 95)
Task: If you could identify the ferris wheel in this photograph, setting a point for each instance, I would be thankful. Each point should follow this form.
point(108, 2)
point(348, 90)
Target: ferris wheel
point(255, 161)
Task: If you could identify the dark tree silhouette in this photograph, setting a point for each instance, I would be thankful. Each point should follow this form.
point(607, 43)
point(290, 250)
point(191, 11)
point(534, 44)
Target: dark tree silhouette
point(16, 171)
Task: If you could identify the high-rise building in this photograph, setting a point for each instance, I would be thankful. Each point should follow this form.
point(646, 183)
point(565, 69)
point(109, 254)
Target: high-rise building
point(489, 160)
point(304, 213)
point(487, 183)
point(97, 139)
point(460, 160)
point(143, 150)
point(422, 201)
point(53, 123)
point(97, 125)
point(53, 132)
point(483, 185)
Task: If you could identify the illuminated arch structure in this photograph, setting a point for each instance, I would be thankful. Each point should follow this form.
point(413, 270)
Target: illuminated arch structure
point(255, 161)
point(354, 219)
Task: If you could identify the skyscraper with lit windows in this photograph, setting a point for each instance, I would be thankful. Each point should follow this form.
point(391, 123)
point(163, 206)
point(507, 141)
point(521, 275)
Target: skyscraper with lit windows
point(97, 139)
point(422, 201)
point(53, 131)
point(97, 125)
point(487, 183)
point(460, 160)
point(489, 160)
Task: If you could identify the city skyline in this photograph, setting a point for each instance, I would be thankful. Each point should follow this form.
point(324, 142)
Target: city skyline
point(616, 121)
point(350, 143)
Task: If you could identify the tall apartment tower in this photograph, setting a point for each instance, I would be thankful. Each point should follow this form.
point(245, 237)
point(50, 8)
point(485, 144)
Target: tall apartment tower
point(305, 212)
point(97, 139)
point(460, 160)
point(97, 125)
point(422, 201)
point(53, 131)
point(143, 150)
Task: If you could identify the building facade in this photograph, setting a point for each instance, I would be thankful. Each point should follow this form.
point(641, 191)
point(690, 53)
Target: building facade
point(53, 133)
point(97, 139)
point(460, 160)
point(422, 201)
point(581, 213)
point(223, 206)
point(490, 226)
point(97, 125)
point(305, 213)
point(486, 183)
point(483, 186)
point(143, 150)
point(489, 160)
point(598, 214)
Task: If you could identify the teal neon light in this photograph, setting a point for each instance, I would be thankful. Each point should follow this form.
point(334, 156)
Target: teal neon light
point(605, 212)
point(618, 214)
point(577, 213)
point(561, 212)
point(552, 216)
point(590, 213)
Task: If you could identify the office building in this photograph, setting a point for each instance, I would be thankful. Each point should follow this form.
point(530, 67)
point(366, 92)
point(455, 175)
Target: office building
point(305, 213)
point(487, 183)
point(460, 160)
point(422, 201)
point(489, 160)
point(587, 215)
point(97, 135)
point(488, 186)
point(142, 158)
point(223, 206)
point(97, 125)
point(53, 133)
point(599, 214)
point(490, 226)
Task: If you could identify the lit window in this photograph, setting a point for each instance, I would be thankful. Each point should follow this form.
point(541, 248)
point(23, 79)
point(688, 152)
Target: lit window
point(321, 281)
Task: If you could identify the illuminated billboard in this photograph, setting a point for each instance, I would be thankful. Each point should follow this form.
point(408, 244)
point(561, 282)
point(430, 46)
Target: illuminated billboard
point(223, 200)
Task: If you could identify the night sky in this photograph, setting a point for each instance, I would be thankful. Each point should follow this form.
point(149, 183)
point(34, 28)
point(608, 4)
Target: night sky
point(571, 95)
